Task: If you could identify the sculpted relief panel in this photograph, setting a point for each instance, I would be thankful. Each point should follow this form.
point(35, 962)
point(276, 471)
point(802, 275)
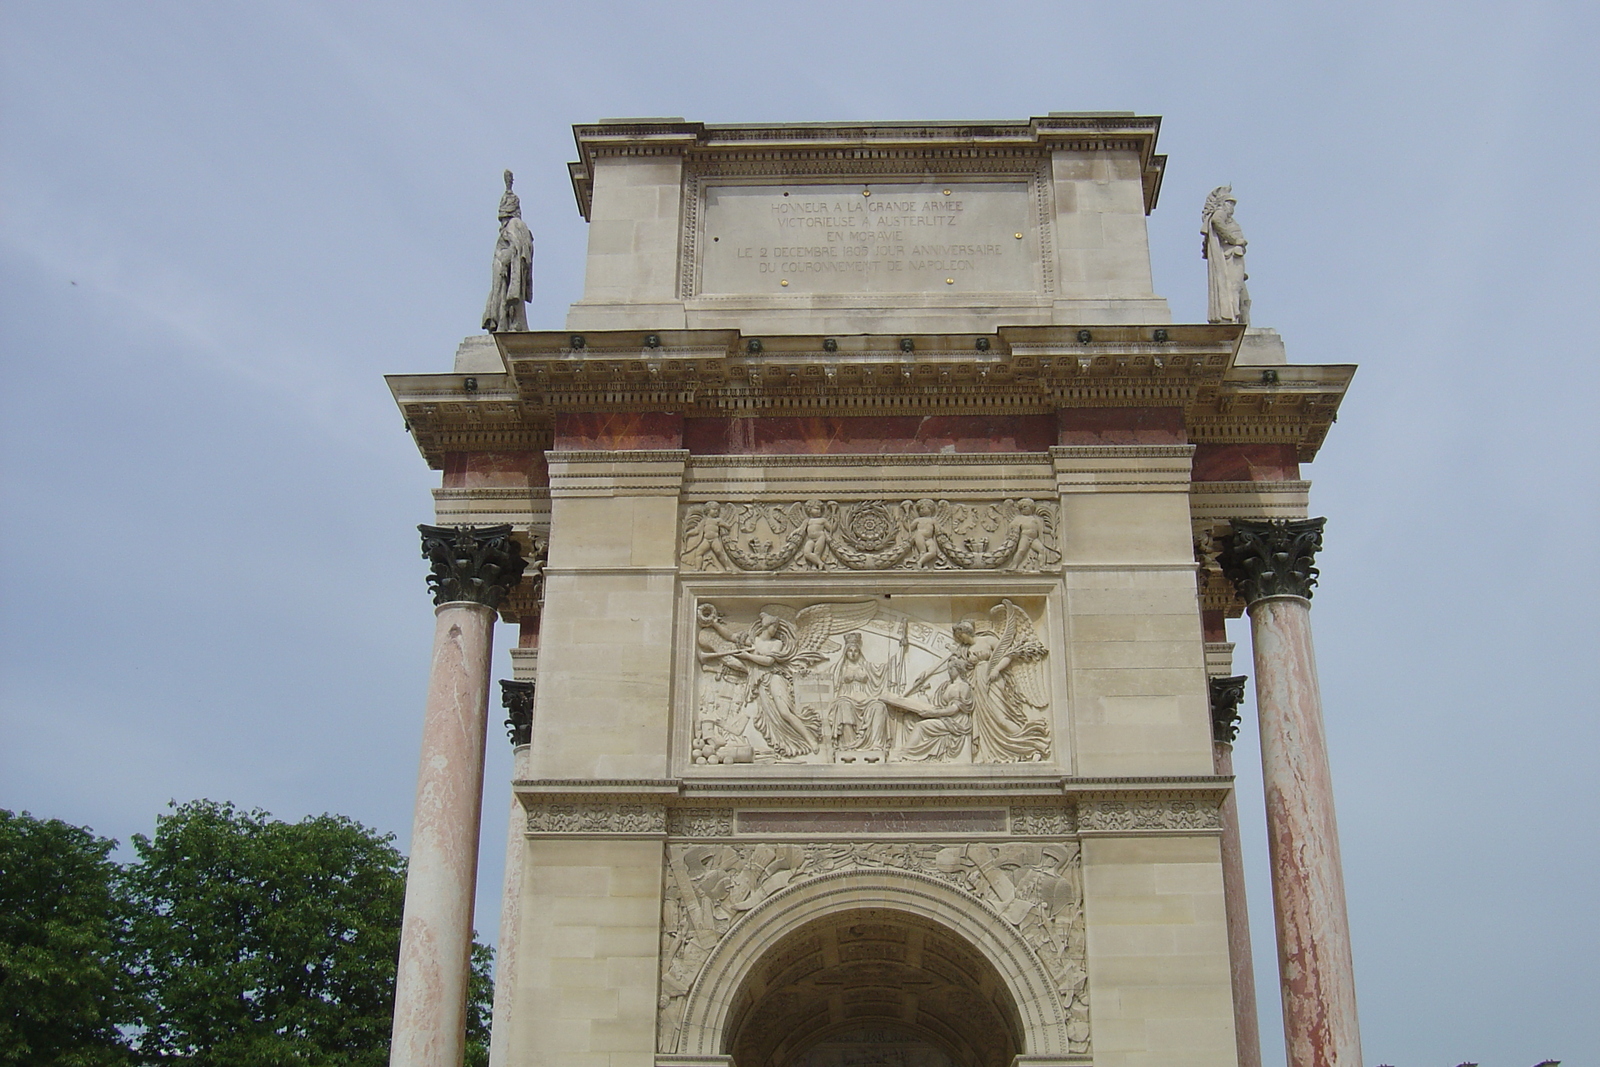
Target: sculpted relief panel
point(860, 683)
point(1036, 887)
point(871, 535)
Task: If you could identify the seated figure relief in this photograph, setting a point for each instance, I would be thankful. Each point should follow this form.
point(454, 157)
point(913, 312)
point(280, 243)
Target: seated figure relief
point(870, 535)
point(854, 683)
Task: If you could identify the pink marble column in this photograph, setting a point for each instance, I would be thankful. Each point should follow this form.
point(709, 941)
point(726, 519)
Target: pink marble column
point(472, 571)
point(517, 696)
point(1272, 565)
point(1225, 695)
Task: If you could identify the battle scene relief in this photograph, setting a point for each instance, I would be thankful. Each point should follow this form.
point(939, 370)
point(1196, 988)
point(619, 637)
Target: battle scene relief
point(870, 535)
point(859, 683)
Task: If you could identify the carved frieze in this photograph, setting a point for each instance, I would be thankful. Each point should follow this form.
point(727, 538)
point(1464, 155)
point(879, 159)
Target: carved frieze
point(1035, 820)
point(700, 822)
point(1036, 887)
point(856, 683)
point(596, 817)
point(871, 535)
point(1148, 813)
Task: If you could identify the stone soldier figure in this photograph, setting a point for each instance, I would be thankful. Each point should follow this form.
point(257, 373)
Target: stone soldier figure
point(512, 286)
point(1223, 250)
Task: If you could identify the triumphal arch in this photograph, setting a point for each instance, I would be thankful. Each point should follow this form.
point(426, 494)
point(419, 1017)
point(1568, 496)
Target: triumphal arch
point(870, 528)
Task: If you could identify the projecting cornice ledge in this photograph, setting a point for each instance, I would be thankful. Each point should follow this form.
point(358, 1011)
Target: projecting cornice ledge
point(1058, 131)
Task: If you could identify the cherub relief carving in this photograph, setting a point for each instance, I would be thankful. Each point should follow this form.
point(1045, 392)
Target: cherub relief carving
point(781, 690)
point(871, 535)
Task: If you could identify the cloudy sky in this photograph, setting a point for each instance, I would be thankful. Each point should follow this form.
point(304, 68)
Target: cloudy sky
point(223, 222)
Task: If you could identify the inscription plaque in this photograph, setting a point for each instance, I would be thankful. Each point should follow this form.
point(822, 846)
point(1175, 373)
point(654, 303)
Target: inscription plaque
point(960, 237)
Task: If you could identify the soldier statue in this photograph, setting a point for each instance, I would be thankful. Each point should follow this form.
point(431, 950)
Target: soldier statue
point(1223, 250)
point(512, 287)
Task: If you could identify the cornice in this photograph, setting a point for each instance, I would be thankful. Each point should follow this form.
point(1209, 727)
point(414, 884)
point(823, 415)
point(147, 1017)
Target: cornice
point(776, 789)
point(1014, 371)
point(849, 141)
point(493, 492)
point(592, 455)
point(875, 459)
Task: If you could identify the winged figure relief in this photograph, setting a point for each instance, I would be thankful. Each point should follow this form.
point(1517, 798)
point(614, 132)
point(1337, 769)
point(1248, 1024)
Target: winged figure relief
point(1010, 691)
point(780, 643)
point(1001, 659)
point(805, 695)
point(1032, 526)
point(921, 520)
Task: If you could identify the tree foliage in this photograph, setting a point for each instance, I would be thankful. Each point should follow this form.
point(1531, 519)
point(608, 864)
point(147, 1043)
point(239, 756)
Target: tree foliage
point(62, 991)
point(232, 939)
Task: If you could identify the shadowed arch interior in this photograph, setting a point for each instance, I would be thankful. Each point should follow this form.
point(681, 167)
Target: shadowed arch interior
point(873, 986)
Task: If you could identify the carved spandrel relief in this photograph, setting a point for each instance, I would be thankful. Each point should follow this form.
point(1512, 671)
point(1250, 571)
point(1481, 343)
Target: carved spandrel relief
point(857, 683)
point(871, 535)
point(1035, 887)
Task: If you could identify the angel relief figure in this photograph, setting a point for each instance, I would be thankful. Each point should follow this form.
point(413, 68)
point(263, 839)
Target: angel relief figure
point(705, 526)
point(780, 644)
point(1003, 663)
point(819, 527)
point(1030, 524)
point(922, 523)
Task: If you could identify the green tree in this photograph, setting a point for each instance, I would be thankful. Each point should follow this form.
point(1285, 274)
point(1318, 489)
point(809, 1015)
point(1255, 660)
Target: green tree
point(260, 943)
point(62, 992)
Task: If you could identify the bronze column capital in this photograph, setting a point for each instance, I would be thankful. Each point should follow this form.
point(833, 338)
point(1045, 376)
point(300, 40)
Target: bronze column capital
point(1274, 557)
point(517, 699)
point(478, 565)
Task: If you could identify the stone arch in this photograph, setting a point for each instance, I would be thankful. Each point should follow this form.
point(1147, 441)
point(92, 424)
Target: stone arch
point(1039, 1017)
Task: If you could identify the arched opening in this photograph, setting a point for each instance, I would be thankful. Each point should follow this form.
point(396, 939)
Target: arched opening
point(873, 987)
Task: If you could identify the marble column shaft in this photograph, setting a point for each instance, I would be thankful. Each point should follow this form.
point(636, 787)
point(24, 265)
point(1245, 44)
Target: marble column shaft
point(1247, 1031)
point(1313, 927)
point(430, 1011)
point(518, 698)
point(472, 571)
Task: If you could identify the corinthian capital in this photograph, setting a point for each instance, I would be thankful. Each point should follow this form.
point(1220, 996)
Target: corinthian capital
point(1226, 692)
point(480, 565)
point(517, 698)
point(1272, 558)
